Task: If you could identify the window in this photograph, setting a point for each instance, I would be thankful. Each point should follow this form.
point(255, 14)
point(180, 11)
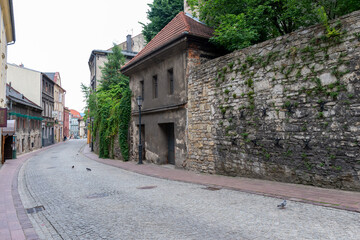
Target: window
point(142, 89)
point(171, 81)
point(155, 86)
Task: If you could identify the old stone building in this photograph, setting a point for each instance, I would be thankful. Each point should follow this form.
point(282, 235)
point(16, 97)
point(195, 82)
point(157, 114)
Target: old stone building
point(159, 75)
point(27, 116)
point(48, 108)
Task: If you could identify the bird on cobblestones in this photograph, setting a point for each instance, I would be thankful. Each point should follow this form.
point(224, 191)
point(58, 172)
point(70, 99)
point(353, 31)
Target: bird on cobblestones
point(282, 205)
point(88, 169)
point(72, 166)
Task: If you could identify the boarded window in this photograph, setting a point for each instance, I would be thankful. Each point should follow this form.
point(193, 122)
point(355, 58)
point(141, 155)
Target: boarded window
point(171, 81)
point(155, 86)
point(142, 88)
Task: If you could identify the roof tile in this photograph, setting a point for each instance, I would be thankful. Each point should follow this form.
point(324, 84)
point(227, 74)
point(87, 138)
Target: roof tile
point(180, 24)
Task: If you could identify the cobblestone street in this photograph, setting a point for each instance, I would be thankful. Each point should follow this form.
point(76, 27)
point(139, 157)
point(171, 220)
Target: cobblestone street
point(111, 203)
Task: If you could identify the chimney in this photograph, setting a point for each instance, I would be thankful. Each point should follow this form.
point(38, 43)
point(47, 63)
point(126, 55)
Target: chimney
point(128, 43)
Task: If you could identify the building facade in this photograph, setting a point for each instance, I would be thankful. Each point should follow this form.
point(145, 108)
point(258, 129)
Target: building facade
point(98, 58)
point(27, 81)
point(59, 104)
point(74, 123)
point(66, 123)
point(27, 116)
point(159, 75)
point(48, 122)
point(7, 37)
point(82, 128)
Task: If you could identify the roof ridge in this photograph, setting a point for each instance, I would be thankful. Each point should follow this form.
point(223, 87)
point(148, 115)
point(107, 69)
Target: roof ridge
point(162, 30)
point(185, 19)
point(180, 24)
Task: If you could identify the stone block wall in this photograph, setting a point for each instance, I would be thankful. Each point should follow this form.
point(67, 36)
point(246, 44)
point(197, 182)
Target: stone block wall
point(287, 109)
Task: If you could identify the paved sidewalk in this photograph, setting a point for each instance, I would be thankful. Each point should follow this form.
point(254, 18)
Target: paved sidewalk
point(345, 200)
point(14, 222)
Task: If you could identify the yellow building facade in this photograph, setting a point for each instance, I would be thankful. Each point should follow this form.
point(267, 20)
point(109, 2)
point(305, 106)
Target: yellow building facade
point(7, 36)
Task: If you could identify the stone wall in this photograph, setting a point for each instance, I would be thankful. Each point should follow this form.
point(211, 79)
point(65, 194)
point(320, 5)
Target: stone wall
point(286, 109)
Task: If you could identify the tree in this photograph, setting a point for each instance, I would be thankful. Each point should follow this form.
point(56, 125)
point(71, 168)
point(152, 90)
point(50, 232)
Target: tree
point(161, 13)
point(110, 106)
point(241, 23)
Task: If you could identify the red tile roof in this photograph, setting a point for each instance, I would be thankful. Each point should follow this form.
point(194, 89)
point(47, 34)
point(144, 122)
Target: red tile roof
point(75, 113)
point(180, 24)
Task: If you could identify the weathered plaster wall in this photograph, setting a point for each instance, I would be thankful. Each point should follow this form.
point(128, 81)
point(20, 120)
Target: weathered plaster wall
point(166, 108)
point(287, 109)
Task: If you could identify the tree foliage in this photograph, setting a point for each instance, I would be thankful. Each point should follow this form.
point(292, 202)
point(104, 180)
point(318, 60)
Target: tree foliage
point(241, 23)
point(161, 13)
point(110, 106)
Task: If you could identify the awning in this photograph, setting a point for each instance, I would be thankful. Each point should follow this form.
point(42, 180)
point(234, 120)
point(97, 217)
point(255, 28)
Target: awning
point(10, 129)
point(25, 116)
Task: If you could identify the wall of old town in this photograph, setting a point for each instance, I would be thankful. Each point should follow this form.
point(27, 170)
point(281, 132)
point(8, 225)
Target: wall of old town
point(286, 109)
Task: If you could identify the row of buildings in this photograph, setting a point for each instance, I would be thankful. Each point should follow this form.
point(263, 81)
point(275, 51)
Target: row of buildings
point(32, 103)
point(37, 115)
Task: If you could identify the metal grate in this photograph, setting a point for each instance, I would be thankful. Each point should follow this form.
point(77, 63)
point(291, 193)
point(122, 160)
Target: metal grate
point(35, 209)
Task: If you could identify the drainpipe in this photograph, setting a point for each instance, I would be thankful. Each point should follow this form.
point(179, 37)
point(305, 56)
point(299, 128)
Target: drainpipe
point(12, 22)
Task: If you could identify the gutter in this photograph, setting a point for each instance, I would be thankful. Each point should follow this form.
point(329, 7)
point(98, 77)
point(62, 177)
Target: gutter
point(12, 22)
point(148, 55)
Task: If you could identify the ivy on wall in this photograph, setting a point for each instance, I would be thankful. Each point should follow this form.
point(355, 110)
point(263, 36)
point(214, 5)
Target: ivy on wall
point(242, 115)
point(110, 106)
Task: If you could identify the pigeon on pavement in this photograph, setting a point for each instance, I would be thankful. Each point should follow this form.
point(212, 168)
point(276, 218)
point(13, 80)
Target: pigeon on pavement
point(282, 205)
point(88, 169)
point(72, 166)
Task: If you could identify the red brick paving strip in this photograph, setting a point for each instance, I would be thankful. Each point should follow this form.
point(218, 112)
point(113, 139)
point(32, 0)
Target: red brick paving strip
point(14, 222)
point(345, 200)
point(9, 225)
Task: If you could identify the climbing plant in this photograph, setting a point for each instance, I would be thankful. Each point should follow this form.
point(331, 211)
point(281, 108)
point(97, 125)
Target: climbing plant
point(110, 106)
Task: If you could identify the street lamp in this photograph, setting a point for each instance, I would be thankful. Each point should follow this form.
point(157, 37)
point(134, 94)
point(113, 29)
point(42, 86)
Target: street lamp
point(92, 133)
point(139, 103)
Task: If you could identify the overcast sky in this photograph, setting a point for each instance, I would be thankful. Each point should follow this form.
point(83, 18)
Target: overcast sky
point(59, 35)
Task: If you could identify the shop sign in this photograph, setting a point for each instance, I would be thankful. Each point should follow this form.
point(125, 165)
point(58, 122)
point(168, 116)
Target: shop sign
point(3, 117)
